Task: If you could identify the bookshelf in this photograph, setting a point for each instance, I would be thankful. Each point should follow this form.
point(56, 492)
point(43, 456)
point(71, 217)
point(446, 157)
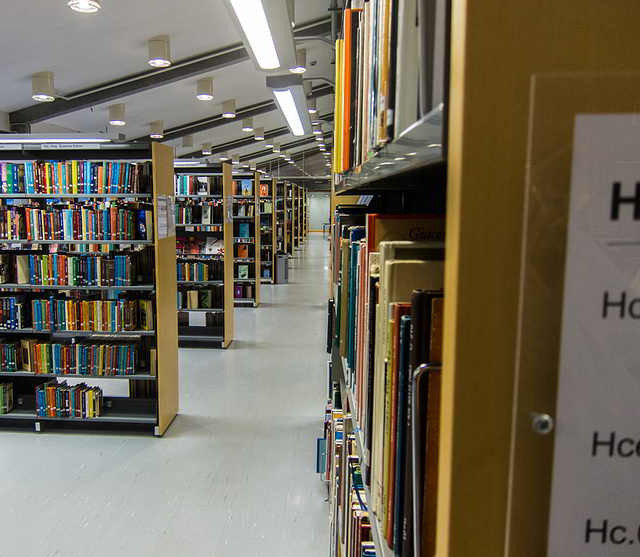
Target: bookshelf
point(88, 275)
point(289, 217)
point(205, 275)
point(246, 239)
point(268, 229)
point(281, 229)
point(522, 83)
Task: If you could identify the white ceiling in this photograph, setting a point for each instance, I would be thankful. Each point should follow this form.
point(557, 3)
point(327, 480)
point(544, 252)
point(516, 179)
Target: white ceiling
point(86, 50)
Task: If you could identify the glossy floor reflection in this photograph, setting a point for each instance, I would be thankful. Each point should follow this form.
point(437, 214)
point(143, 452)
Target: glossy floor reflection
point(234, 475)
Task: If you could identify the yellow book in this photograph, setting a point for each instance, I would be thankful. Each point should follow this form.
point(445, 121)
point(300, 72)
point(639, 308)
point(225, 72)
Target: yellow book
point(74, 176)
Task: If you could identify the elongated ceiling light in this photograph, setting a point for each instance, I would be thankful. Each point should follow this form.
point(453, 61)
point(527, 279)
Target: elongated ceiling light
point(229, 109)
point(159, 51)
point(42, 87)
point(250, 14)
point(156, 129)
point(288, 92)
point(116, 114)
point(265, 29)
point(205, 89)
point(84, 6)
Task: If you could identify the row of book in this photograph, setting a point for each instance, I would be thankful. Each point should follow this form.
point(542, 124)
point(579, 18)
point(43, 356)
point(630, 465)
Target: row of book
point(189, 245)
point(63, 314)
point(98, 355)
point(388, 321)
point(6, 397)
point(75, 177)
point(243, 291)
point(390, 72)
point(100, 221)
point(200, 271)
point(201, 298)
point(243, 186)
point(204, 214)
point(189, 184)
point(59, 269)
point(244, 209)
point(200, 319)
point(59, 400)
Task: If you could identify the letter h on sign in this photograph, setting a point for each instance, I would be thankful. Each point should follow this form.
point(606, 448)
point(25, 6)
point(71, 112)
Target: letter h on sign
point(617, 200)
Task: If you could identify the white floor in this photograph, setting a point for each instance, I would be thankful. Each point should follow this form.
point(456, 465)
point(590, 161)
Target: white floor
point(234, 475)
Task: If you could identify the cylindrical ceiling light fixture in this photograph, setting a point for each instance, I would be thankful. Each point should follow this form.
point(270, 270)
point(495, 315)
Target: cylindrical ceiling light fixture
point(308, 87)
point(291, 7)
point(224, 156)
point(317, 129)
point(276, 147)
point(156, 129)
point(159, 51)
point(258, 134)
point(84, 6)
point(269, 143)
point(116, 114)
point(301, 61)
point(187, 141)
point(42, 87)
point(247, 124)
point(235, 159)
point(205, 89)
point(229, 109)
point(206, 148)
point(252, 166)
point(312, 104)
point(283, 154)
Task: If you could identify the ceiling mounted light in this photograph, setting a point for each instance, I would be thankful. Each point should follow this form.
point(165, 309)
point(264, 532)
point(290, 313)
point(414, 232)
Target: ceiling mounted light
point(247, 124)
point(187, 141)
point(288, 92)
point(156, 129)
point(252, 167)
point(269, 143)
point(116, 114)
point(205, 89)
point(224, 156)
point(291, 7)
point(276, 147)
point(258, 134)
point(206, 148)
point(265, 29)
point(283, 154)
point(317, 129)
point(159, 52)
point(301, 61)
point(235, 159)
point(84, 6)
point(42, 87)
point(312, 104)
point(229, 109)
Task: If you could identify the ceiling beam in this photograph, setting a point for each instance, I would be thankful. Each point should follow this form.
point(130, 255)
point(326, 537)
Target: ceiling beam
point(143, 81)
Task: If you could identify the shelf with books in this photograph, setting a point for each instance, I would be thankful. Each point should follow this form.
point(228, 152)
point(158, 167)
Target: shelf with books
point(204, 228)
point(246, 239)
point(290, 217)
point(267, 229)
point(280, 226)
point(83, 261)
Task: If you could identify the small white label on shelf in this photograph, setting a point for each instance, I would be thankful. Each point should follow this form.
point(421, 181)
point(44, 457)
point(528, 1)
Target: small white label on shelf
point(66, 146)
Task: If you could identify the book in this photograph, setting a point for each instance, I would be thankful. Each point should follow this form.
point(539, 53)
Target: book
point(237, 292)
point(192, 299)
point(264, 190)
point(243, 230)
point(206, 214)
point(22, 269)
point(243, 271)
point(243, 251)
point(146, 314)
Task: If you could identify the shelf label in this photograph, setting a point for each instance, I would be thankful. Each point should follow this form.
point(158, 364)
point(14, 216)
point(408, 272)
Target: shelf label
point(68, 146)
point(595, 500)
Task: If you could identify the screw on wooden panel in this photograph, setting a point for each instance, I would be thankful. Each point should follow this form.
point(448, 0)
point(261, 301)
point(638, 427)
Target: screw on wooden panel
point(541, 423)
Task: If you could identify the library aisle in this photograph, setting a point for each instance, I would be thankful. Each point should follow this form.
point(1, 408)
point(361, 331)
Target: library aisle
point(233, 476)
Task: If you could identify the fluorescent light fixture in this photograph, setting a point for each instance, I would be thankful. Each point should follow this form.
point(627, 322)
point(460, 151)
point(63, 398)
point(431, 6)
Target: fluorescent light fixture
point(159, 51)
point(42, 87)
point(84, 6)
point(56, 138)
point(265, 29)
point(247, 124)
point(156, 129)
point(205, 89)
point(235, 159)
point(116, 114)
point(206, 148)
point(224, 156)
point(288, 92)
point(258, 134)
point(301, 61)
point(229, 108)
